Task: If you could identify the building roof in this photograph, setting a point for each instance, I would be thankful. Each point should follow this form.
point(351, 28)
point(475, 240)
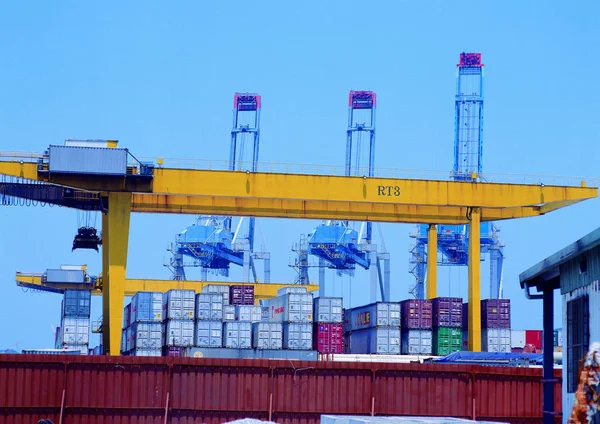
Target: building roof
point(549, 267)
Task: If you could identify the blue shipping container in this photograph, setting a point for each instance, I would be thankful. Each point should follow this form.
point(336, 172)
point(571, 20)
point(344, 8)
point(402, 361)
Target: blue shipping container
point(375, 340)
point(76, 303)
point(380, 314)
point(146, 306)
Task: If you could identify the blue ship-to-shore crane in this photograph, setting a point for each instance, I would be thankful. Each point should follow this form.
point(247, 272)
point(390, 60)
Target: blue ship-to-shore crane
point(335, 243)
point(468, 144)
point(210, 243)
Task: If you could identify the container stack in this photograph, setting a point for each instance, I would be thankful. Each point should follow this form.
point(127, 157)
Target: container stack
point(267, 335)
point(495, 325)
point(328, 332)
point(218, 288)
point(179, 312)
point(238, 335)
point(295, 311)
point(447, 323)
point(374, 329)
point(417, 325)
point(74, 332)
point(241, 295)
point(208, 325)
point(143, 319)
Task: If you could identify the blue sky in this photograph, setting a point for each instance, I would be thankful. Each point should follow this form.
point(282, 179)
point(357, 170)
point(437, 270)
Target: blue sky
point(161, 79)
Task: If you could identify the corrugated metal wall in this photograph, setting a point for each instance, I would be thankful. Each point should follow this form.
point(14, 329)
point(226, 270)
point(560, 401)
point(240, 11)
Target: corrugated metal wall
point(572, 278)
point(124, 390)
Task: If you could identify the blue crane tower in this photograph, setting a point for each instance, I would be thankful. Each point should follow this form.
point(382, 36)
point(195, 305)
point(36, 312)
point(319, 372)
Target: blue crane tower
point(336, 244)
point(210, 243)
point(468, 144)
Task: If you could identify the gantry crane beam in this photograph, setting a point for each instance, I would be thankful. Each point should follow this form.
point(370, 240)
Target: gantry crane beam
point(297, 196)
point(133, 285)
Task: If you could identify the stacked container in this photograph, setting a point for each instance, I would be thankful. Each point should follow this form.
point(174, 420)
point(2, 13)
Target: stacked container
point(374, 329)
point(179, 312)
point(267, 335)
point(218, 288)
point(238, 335)
point(495, 325)
point(143, 319)
point(417, 325)
point(295, 312)
point(74, 330)
point(328, 332)
point(447, 323)
point(248, 313)
point(208, 325)
point(241, 295)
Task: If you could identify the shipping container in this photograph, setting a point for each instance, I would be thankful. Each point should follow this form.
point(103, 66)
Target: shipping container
point(534, 337)
point(87, 160)
point(173, 351)
point(241, 295)
point(328, 338)
point(76, 303)
point(147, 306)
point(208, 334)
point(75, 331)
point(328, 309)
point(375, 340)
point(495, 313)
point(517, 338)
point(417, 342)
point(223, 289)
point(447, 312)
point(559, 337)
point(127, 315)
point(264, 313)
point(267, 335)
point(146, 352)
point(65, 276)
point(178, 333)
point(209, 306)
point(179, 305)
point(238, 335)
point(69, 349)
point(447, 340)
point(128, 339)
point(124, 341)
point(495, 340)
point(297, 335)
point(288, 290)
point(380, 314)
point(214, 352)
point(417, 314)
point(146, 335)
point(248, 313)
point(228, 312)
point(300, 355)
point(295, 307)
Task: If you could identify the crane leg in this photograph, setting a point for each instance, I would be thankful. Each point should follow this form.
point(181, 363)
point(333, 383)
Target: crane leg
point(432, 262)
point(115, 238)
point(475, 282)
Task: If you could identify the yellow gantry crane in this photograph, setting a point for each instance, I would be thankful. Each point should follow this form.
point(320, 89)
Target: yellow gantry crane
point(118, 184)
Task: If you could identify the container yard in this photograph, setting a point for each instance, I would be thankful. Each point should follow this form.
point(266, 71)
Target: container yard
point(348, 334)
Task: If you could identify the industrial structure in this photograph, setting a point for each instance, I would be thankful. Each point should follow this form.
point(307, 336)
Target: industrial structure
point(210, 243)
point(336, 244)
point(114, 181)
point(453, 240)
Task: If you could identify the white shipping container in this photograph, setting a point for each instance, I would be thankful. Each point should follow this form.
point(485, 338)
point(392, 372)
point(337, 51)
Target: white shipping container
point(264, 313)
point(124, 340)
point(179, 305)
point(209, 306)
point(297, 335)
point(82, 349)
point(129, 339)
point(75, 331)
point(328, 309)
point(380, 314)
point(295, 307)
point(560, 337)
point(267, 335)
point(146, 335)
point(238, 335)
point(416, 342)
point(146, 352)
point(375, 340)
point(517, 338)
point(147, 306)
point(178, 333)
point(228, 313)
point(288, 290)
point(218, 288)
point(248, 313)
point(208, 334)
point(495, 340)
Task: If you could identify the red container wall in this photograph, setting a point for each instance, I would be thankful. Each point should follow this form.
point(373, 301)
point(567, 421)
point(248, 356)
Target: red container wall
point(447, 312)
point(533, 337)
point(328, 338)
point(241, 295)
point(416, 314)
point(133, 390)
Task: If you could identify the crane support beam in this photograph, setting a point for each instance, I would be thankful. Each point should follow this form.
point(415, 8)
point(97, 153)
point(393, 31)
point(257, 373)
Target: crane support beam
point(262, 291)
point(432, 262)
point(474, 283)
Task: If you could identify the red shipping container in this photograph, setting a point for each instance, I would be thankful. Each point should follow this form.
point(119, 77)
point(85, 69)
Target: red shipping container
point(328, 338)
point(241, 295)
point(533, 337)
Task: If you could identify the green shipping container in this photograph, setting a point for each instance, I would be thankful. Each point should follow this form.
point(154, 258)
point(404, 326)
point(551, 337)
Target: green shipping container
point(447, 340)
